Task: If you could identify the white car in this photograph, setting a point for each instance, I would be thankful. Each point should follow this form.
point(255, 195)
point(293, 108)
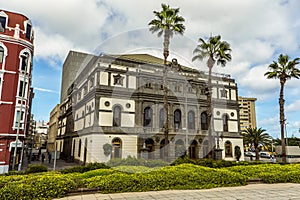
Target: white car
point(264, 155)
point(249, 153)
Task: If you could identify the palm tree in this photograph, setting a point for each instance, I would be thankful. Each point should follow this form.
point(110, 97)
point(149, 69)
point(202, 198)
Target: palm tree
point(166, 22)
point(216, 51)
point(283, 70)
point(256, 137)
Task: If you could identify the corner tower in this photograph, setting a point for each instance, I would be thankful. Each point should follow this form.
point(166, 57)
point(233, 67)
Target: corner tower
point(16, 55)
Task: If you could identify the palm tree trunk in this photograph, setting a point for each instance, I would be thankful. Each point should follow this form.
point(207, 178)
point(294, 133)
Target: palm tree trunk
point(282, 119)
point(210, 65)
point(166, 108)
point(256, 152)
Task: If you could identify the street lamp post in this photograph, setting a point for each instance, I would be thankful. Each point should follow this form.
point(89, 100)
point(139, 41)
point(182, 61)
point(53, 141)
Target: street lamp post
point(286, 134)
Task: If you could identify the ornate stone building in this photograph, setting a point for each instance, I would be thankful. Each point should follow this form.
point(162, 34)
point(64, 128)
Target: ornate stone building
point(112, 107)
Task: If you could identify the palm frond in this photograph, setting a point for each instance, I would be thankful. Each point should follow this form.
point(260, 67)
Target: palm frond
point(167, 19)
point(218, 50)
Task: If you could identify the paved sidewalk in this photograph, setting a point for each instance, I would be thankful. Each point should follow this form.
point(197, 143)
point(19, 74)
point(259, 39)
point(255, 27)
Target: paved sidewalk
point(281, 191)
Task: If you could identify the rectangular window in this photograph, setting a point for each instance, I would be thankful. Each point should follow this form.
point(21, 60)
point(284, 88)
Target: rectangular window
point(1, 55)
point(2, 24)
point(28, 31)
point(22, 89)
point(18, 118)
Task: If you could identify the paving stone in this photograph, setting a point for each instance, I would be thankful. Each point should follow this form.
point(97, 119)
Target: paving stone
point(282, 191)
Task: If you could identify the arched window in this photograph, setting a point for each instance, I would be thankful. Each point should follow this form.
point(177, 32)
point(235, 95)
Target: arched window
point(24, 61)
point(150, 146)
point(205, 149)
point(204, 122)
point(116, 148)
point(193, 150)
point(228, 149)
point(117, 116)
point(161, 118)
point(162, 149)
point(179, 148)
point(177, 119)
point(79, 148)
point(1, 54)
point(147, 117)
point(225, 122)
point(191, 120)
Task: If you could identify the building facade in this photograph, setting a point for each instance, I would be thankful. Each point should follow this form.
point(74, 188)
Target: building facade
point(16, 54)
point(247, 112)
point(53, 128)
point(113, 108)
point(41, 134)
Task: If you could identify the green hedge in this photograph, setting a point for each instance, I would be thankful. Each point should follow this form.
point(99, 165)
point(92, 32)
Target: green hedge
point(288, 177)
point(38, 186)
point(185, 176)
point(135, 169)
point(82, 169)
point(213, 163)
point(50, 185)
point(266, 170)
point(132, 161)
point(97, 172)
point(11, 178)
point(36, 169)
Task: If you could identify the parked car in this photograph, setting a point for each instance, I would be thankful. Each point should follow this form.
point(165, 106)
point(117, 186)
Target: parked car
point(264, 155)
point(249, 153)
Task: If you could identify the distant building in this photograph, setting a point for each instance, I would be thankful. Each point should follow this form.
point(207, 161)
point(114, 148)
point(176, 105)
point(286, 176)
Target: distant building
point(41, 134)
point(112, 107)
point(16, 55)
point(53, 128)
point(247, 112)
point(30, 133)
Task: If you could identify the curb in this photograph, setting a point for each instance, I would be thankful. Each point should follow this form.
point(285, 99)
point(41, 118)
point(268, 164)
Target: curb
point(254, 181)
point(81, 191)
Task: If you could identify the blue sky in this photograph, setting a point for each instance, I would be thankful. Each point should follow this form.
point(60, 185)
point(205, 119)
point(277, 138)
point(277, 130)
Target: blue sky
point(258, 31)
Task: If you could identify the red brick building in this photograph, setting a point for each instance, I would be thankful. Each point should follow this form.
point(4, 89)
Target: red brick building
point(16, 55)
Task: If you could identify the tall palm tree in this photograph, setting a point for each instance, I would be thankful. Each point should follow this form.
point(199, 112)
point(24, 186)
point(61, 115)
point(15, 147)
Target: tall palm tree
point(166, 22)
point(216, 51)
point(256, 137)
point(283, 70)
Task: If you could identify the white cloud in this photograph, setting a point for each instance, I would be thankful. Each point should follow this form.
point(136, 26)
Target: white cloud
point(258, 31)
point(293, 107)
point(257, 83)
point(45, 90)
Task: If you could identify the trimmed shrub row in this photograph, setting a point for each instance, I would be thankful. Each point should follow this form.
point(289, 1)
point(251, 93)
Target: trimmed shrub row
point(47, 185)
point(185, 176)
point(82, 169)
point(132, 161)
point(213, 163)
point(276, 172)
point(38, 186)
